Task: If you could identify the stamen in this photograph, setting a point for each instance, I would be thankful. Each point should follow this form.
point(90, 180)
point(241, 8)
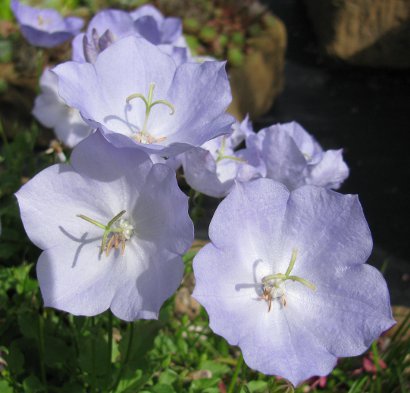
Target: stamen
point(115, 233)
point(274, 283)
point(144, 136)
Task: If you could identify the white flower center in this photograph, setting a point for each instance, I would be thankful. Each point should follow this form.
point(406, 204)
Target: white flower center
point(143, 136)
point(127, 229)
point(116, 232)
point(273, 286)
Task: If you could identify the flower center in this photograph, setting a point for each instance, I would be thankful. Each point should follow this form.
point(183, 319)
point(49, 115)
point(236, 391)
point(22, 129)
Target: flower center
point(222, 156)
point(273, 286)
point(143, 136)
point(40, 20)
point(116, 233)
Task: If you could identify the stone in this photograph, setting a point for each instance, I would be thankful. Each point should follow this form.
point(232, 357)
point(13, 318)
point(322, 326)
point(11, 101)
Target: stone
point(260, 79)
point(373, 33)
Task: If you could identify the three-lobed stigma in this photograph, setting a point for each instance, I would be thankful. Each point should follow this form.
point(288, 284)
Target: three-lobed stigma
point(143, 136)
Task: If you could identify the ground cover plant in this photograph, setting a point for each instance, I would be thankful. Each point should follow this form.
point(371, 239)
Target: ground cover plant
point(97, 243)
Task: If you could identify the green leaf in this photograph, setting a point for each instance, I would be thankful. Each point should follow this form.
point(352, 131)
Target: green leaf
point(161, 388)
point(5, 387)
point(217, 369)
point(143, 341)
point(28, 324)
point(15, 359)
point(57, 352)
point(33, 385)
point(200, 384)
point(257, 386)
point(168, 377)
point(131, 384)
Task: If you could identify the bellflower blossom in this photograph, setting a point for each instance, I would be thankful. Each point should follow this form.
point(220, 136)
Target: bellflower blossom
point(113, 227)
point(154, 27)
point(293, 157)
point(213, 168)
point(51, 111)
point(285, 278)
point(108, 26)
point(45, 27)
point(139, 97)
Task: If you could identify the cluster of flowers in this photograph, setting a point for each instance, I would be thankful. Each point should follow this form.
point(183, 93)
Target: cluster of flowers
point(284, 276)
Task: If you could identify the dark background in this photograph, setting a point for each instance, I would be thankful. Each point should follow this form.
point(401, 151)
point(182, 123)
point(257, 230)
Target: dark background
point(365, 111)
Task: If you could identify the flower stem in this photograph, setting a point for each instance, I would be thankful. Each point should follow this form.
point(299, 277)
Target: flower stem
point(42, 350)
point(93, 366)
point(127, 355)
point(232, 385)
point(109, 349)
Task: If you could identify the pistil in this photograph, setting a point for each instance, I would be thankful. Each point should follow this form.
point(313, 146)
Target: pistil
point(221, 154)
point(143, 136)
point(273, 285)
point(116, 233)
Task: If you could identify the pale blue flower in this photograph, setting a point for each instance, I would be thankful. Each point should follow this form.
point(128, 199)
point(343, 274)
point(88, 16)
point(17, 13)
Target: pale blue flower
point(285, 278)
point(45, 27)
point(113, 227)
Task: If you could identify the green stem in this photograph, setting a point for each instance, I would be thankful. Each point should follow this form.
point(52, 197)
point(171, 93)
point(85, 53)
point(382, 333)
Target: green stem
point(42, 350)
point(93, 366)
point(232, 385)
point(127, 356)
point(3, 135)
point(109, 351)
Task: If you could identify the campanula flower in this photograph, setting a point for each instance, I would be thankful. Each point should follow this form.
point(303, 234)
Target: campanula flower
point(113, 227)
point(139, 97)
point(45, 27)
point(109, 26)
point(213, 168)
point(51, 111)
point(285, 278)
point(106, 27)
point(154, 27)
point(293, 157)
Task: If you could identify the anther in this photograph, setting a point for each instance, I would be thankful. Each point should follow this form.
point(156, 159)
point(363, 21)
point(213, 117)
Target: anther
point(116, 232)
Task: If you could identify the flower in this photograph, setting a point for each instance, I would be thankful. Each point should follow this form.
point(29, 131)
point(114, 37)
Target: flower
point(293, 157)
point(157, 29)
point(213, 168)
point(45, 27)
point(113, 227)
point(51, 111)
point(108, 26)
point(285, 278)
point(139, 97)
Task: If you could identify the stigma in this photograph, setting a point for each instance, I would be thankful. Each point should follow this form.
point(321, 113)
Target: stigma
point(116, 232)
point(273, 286)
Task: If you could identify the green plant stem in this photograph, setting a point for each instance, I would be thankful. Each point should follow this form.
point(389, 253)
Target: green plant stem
point(127, 355)
point(42, 350)
point(93, 367)
point(109, 349)
point(3, 134)
point(232, 385)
